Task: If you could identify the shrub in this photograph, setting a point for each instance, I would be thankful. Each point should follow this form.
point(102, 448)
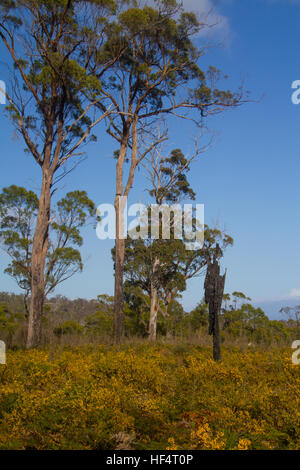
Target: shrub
point(149, 397)
point(68, 327)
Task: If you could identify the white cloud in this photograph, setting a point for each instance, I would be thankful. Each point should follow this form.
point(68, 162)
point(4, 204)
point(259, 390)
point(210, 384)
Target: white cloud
point(208, 12)
point(294, 293)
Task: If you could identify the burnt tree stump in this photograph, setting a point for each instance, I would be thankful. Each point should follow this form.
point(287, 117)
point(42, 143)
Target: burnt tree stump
point(214, 290)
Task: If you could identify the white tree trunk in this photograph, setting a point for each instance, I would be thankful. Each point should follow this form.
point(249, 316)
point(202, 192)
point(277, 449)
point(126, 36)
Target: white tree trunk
point(154, 301)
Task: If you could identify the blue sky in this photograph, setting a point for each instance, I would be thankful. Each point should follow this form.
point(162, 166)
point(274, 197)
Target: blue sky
point(248, 180)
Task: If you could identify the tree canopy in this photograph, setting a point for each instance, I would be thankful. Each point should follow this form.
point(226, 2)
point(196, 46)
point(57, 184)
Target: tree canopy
point(18, 212)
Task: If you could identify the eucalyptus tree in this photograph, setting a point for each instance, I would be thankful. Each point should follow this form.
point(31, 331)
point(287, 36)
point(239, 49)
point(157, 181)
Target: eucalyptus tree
point(293, 314)
point(157, 73)
point(48, 44)
point(18, 214)
point(239, 297)
point(162, 268)
point(169, 184)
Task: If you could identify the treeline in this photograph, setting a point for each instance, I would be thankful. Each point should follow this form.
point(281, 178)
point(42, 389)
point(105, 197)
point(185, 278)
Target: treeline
point(80, 321)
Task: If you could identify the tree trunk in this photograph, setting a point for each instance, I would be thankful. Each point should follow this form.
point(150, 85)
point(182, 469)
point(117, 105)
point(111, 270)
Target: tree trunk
point(38, 259)
point(153, 314)
point(120, 242)
point(119, 271)
point(216, 340)
point(153, 301)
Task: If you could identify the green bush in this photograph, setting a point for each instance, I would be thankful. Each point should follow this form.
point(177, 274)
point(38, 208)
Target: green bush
point(68, 327)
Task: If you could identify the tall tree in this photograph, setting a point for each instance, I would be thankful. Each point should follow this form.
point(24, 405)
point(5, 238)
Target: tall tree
point(157, 74)
point(49, 44)
point(169, 184)
point(18, 215)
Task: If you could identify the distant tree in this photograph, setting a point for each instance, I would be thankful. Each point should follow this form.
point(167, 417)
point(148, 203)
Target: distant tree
point(68, 327)
point(77, 309)
point(101, 321)
point(198, 317)
point(9, 322)
point(248, 321)
point(15, 302)
point(226, 299)
point(293, 314)
point(136, 310)
point(18, 215)
point(175, 323)
point(239, 296)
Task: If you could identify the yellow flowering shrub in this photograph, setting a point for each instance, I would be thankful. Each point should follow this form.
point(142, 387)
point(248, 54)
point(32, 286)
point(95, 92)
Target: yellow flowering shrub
point(243, 444)
point(149, 397)
point(203, 438)
point(171, 444)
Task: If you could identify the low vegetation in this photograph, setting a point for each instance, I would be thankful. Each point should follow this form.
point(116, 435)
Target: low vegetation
point(142, 396)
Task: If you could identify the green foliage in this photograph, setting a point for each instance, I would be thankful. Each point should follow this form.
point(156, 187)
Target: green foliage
point(49, 66)
point(199, 318)
point(252, 323)
point(177, 264)
point(148, 65)
point(9, 322)
point(18, 212)
point(136, 310)
point(173, 323)
point(293, 315)
point(169, 179)
point(242, 326)
point(99, 323)
point(68, 327)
